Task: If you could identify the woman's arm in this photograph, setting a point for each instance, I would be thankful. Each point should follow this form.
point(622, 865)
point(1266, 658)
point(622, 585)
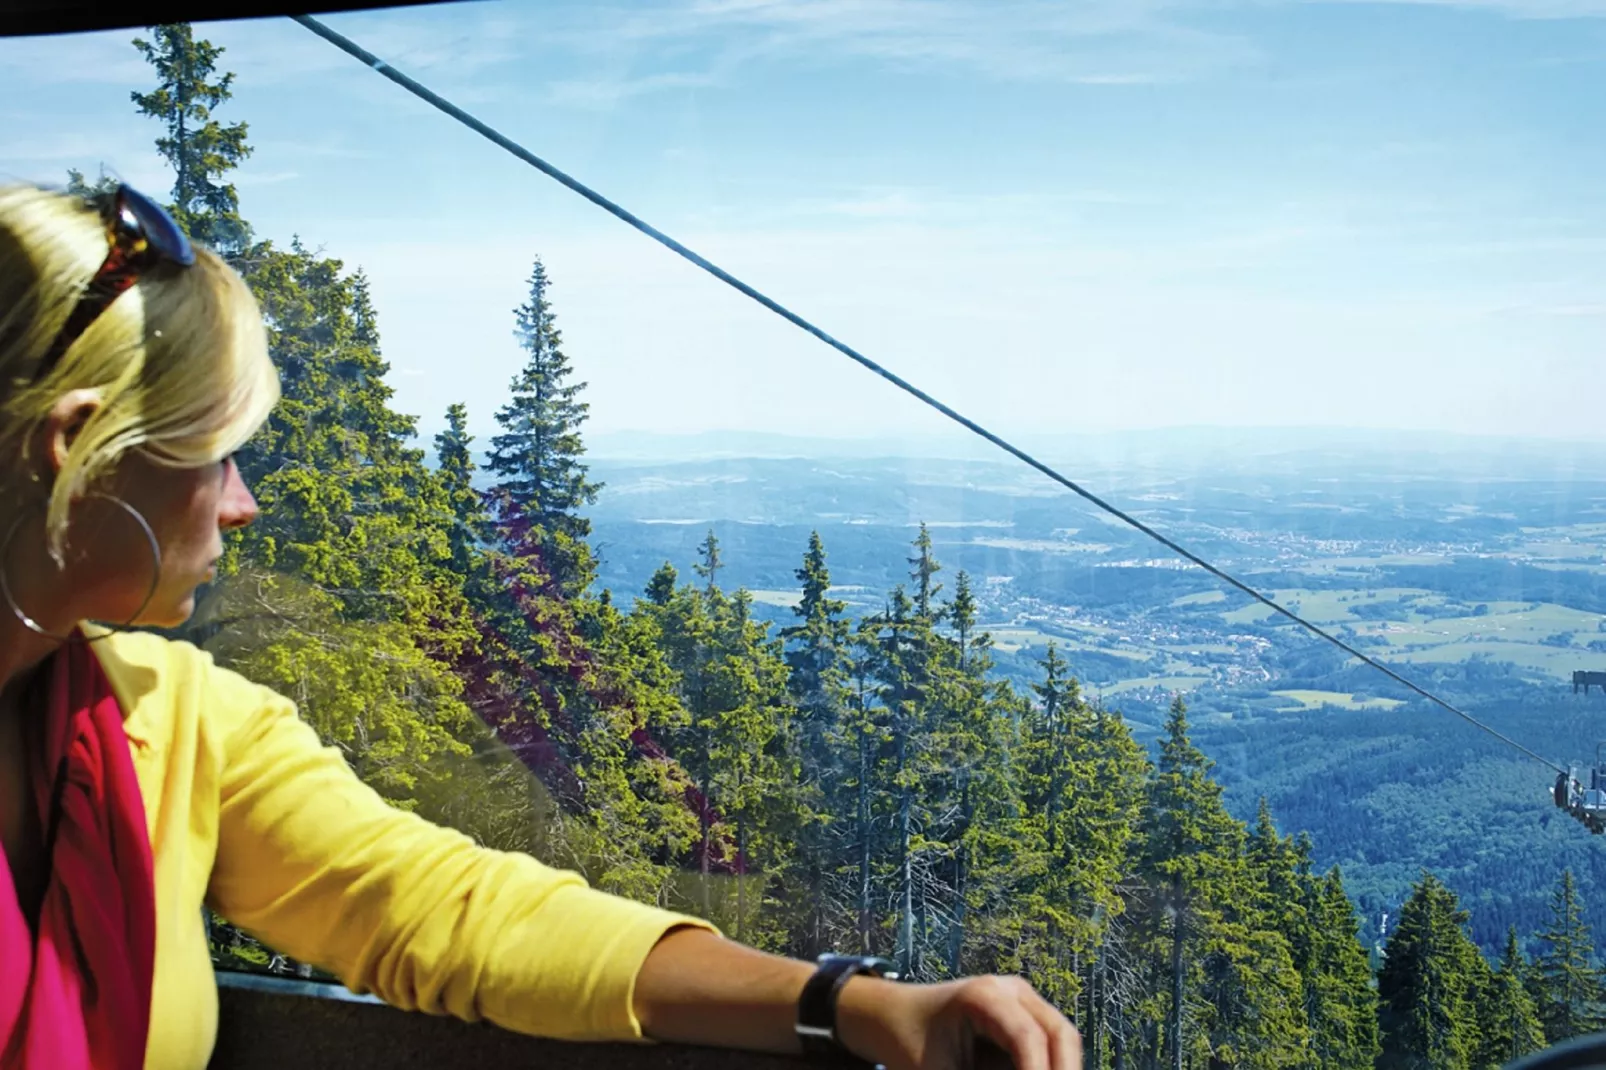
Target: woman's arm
point(699, 988)
point(312, 861)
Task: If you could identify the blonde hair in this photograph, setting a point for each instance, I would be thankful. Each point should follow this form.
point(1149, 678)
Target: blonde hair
point(180, 360)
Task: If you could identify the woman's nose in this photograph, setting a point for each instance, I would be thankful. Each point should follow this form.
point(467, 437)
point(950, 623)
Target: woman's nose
point(238, 508)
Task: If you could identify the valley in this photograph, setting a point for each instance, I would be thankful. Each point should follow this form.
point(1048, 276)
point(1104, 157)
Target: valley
point(1481, 575)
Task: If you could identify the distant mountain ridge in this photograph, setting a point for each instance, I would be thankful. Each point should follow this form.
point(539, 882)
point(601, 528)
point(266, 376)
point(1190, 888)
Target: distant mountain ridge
point(1139, 446)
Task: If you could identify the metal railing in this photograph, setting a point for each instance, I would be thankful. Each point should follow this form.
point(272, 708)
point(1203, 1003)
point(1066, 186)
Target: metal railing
point(271, 1023)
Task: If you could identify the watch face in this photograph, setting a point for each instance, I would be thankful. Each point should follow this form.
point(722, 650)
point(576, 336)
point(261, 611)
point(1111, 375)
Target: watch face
point(866, 963)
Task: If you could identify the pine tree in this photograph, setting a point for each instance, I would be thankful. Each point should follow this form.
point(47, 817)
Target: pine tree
point(818, 644)
point(1190, 850)
point(1081, 780)
point(1250, 984)
point(1508, 1017)
point(82, 187)
point(735, 743)
point(350, 594)
point(973, 796)
point(1569, 989)
point(661, 588)
point(1341, 1006)
point(816, 658)
point(902, 670)
point(866, 739)
point(454, 461)
point(341, 594)
point(1276, 861)
point(924, 569)
point(1430, 981)
point(200, 149)
point(1055, 775)
point(542, 483)
point(712, 561)
point(755, 785)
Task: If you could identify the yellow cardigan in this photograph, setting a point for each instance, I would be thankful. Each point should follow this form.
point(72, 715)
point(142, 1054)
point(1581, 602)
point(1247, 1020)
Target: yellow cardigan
point(248, 811)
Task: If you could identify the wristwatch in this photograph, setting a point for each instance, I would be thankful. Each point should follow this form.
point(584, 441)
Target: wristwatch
point(816, 1007)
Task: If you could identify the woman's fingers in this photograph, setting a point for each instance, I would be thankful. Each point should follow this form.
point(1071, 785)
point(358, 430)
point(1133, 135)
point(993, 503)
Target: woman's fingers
point(1064, 1042)
point(994, 1005)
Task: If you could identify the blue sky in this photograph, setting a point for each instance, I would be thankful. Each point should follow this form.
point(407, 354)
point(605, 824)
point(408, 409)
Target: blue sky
point(1063, 217)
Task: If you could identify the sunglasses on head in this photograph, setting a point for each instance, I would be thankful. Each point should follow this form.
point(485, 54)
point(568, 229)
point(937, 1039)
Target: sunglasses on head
point(142, 235)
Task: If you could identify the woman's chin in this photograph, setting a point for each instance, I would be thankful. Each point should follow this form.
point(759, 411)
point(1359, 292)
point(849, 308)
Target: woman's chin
point(171, 615)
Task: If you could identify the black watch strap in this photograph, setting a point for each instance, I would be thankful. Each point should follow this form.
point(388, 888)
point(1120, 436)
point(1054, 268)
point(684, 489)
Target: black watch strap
point(816, 1007)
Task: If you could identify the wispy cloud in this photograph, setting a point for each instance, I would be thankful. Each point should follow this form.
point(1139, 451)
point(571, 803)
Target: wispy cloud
point(99, 58)
point(1515, 9)
point(264, 178)
point(940, 207)
point(278, 149)
point(464, 39)
point(1100, 42)
point(897, 203)
point(45, 157)
point(605, 93)
point(1582, 310)
point(53, 148)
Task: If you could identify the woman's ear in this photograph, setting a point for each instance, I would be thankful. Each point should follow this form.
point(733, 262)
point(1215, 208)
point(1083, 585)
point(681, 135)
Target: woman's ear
point(62, 425)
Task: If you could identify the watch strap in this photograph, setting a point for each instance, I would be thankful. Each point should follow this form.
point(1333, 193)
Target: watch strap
point(816, 1006)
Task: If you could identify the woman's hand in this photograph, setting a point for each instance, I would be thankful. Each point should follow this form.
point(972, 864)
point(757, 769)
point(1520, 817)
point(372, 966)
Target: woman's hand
point(699, 988)
point(936, 1027)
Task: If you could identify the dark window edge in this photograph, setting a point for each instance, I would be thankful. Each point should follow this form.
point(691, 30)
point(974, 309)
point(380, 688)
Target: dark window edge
point(26, 18)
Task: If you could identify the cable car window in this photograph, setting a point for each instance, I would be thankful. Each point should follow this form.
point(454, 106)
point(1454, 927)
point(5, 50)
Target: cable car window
point(1110, 495)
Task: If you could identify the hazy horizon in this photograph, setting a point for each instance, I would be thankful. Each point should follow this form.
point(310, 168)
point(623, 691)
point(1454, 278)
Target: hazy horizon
point(1380, 215)
point(1184, 451)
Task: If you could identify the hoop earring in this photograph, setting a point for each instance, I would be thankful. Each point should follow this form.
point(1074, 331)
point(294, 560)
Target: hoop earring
point(77, 636)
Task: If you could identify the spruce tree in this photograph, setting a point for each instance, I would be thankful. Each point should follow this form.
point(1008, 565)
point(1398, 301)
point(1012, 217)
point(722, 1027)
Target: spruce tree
point(923, 572)
point(687, 634)
point(1081, 780)
point(866, 739)
point(661, 588)
point(1055, 776)
point(1190, 850)
point(1569, 988)
point(756, 783)
point(200, 150)
point(903, 672)
point(1277, 863)
point(347, 593)
point(82, 187)
point(710, 564)
point(816, 657)
point(736, 743)
point(1429, 985)
point(542, 483)
point(454, 465)
point(1340, 1002)
point(338, 595)
point(1508, 1016)
point(973, 794)
point(1250, 979)
point(817, 643)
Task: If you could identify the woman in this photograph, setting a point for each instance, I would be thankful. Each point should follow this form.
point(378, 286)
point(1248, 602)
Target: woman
point(139, 780)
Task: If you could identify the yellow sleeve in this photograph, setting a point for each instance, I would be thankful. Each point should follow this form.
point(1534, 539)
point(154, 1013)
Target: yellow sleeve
point(314, 863)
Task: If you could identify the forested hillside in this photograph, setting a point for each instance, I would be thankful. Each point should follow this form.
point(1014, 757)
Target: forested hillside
point(1479, 576)
point(809, 779)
